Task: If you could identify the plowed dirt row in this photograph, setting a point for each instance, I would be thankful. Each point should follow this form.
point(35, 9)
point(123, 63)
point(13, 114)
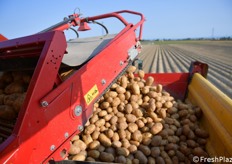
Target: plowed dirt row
point(177, 58)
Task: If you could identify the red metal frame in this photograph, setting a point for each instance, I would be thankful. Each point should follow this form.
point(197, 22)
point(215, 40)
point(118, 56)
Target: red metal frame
point(177, 83)
point(2, 38)
point(174, 83)
point(47, 119)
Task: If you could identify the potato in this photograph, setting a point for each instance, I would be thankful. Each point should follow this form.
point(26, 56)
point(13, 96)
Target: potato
point(132, 127)
point(100, 122)
point(150, 160)
point(201, 141)
point(127, 95)
point(166, 158)
point(122, 125)
point(131, 69)
point(134, 98)
point(135, 161)
point(160, 160)
point(155, 129)
point(135, 89)
point(183, 113)
point(130, 118)
point(152, 94)
point(87, 139)
point(134, 105)
point(182, 106)
point(122, 134)
point(137, 136)
point(109, 133)
point(186, 130)
point(105, 141)
point(144, 129)
point(122, 151)
point(122, 98)
point(162, 113)
point(120, 90)
point(145, 149)
point(201, 133)
point(140, 123)
point(90, 159)
point(125, 143)
point(159, 88)
point(120, 114)
point(15, 87)
point(90, 129)
point(111, 150)
point(141, 74)
point(128, 134)
point(154, 117)
point(191, 143)
point(74, 150)
point(105, 104)
point(137, 112)
point(120, 159)
point(10, 99)
point(106, 157)
point(76, 137)
point(112, 94)
point(93, 153)
point(149, 81)
point(94, 145)
point(168, 104)
point(116, 144)
point(95, 135)
point(124, 81)
point(193, 118)
point(141, 157)
point(136, 143)
point(93, 119)
point(79, 157)
point(116, 102)
point(17, 104)
point(181, 156)
point(171, 146)
point(115, 137)
point(132, 148)
point(7, 112)
point(80, 144)
point(198, 151)
point(101, 148)
point(185, 150)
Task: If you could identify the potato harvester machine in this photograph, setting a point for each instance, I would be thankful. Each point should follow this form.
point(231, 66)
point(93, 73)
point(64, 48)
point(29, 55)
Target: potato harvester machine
point(56, 108)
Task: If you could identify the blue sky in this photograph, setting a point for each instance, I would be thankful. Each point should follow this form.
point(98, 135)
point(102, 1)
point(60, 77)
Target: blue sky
point(164, 18)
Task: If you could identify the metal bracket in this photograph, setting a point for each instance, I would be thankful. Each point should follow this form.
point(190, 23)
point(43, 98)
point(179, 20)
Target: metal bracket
point(139, 63)
point(196, 67)
point(132, 53)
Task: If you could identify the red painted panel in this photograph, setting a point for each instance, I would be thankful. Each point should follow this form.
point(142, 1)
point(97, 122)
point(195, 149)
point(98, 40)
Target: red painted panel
point(174, 83)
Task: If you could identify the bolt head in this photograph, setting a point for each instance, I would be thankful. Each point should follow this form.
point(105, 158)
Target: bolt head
point(80, 128)
point(78, 110)
point(44, 103)
point(66, 135)
point(103, 81)
point(52, 148)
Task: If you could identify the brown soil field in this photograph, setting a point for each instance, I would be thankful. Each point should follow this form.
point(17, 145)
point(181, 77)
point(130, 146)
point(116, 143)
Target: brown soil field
point(176, 56)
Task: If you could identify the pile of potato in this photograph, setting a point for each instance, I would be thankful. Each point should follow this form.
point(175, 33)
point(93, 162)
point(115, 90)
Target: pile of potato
point(13, 87)
point(137, 122)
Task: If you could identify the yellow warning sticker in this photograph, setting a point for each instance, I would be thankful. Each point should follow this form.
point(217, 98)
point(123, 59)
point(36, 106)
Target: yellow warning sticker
point(91, 94)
